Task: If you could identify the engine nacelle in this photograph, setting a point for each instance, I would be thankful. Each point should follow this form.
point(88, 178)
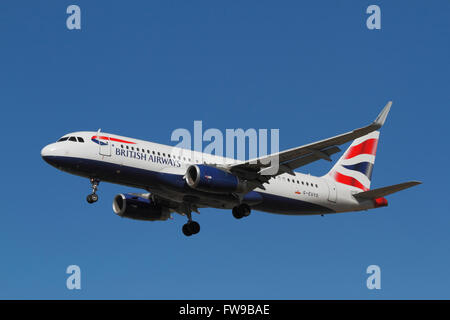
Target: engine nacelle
point(138, 208)
point(211, 179)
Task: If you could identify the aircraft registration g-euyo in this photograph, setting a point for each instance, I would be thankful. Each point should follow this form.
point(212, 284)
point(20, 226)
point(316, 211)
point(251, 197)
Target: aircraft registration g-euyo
point(182, 181)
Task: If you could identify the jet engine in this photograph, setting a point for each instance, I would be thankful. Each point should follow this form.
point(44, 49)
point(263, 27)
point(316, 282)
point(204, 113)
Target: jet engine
point(138, 208)
point(214, 180)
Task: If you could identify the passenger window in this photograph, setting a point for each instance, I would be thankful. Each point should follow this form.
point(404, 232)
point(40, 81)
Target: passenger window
point(121, 146)
point(317, 186)
point(148, 151)
point(73, 139)
point(137, 149)
point(303, 183)
point(159, 154)
point(127, 147)
point(164, 154)
point(168, 155)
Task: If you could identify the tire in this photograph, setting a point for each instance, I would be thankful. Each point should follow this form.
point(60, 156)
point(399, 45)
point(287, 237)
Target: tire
point(94, 197)
point(89, 199)
point(186, 230)
point(237, 213)
point(195, 227)
point(246, 210)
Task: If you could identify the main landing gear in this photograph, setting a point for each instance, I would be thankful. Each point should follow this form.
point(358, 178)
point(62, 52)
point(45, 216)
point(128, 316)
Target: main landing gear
point(242, 210)
point(93, 197)
point(191, 227)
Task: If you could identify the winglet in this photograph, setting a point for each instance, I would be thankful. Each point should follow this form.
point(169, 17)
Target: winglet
point(379, 121)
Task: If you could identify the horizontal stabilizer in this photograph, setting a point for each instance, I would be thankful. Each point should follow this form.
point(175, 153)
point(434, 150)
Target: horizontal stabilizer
point(381, 192)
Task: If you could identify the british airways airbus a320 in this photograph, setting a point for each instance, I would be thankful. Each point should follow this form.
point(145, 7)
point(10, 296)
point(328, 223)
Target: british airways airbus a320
point(182, 181)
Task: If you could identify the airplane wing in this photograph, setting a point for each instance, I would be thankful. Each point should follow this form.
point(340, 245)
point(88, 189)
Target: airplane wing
point(261, 170)
point(174, 206)
point(381, 192)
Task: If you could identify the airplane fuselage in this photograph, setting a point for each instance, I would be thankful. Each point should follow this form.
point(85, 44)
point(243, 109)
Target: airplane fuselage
point(161, 169)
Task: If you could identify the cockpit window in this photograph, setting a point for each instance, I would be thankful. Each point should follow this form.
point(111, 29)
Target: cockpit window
point(74, 139)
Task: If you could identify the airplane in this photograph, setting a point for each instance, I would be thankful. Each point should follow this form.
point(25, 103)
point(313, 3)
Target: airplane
point(183, 181)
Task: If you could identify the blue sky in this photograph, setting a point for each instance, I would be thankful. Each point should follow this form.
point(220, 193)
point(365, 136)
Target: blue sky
point(144, 68)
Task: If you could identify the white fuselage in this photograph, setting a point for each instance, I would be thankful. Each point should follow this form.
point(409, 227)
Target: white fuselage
point(160, 169)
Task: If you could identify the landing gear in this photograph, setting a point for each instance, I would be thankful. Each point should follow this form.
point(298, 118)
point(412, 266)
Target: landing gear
point(93, 197)
point(191, 227)
point(240, 211)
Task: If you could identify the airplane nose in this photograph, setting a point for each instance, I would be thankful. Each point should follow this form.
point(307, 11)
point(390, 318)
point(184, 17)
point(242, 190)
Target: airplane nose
point(45, 152)
point(48, 153)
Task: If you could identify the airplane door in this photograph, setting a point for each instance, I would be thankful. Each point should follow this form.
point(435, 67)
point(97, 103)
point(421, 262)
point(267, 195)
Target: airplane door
point(332, 192)
point(104, 144)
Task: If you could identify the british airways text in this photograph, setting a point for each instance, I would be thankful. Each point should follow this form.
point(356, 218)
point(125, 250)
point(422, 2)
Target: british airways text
point(145, 157)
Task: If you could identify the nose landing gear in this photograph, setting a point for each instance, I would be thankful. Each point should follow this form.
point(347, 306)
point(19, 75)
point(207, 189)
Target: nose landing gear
point(93, 197)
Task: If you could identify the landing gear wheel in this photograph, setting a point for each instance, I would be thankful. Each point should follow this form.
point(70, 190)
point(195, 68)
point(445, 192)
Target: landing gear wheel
point(190, 228)
point(237, 213)
point(243, 210)
point(246, 209)
point(186, 230)
point(195, 227)
point(92, 198)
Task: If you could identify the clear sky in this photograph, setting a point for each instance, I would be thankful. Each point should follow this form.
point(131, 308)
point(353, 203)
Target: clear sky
point(144, 68)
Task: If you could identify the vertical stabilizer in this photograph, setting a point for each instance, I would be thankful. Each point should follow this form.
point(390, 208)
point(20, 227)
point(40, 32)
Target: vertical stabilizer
point(355, 167)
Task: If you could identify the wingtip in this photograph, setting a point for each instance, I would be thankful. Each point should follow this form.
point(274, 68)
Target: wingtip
point(380, 120)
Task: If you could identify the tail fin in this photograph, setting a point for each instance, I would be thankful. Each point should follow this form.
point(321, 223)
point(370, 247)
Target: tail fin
point(355, 166)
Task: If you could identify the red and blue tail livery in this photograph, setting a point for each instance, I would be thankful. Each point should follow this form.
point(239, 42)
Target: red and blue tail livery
point(355, 167)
